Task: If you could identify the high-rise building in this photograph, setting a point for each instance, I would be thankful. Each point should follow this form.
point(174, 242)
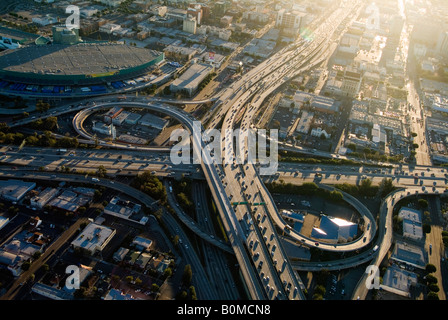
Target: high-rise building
point(442, 44)
point(221, 7)
point(289, 21)
point(190, 24)
point(195, 11)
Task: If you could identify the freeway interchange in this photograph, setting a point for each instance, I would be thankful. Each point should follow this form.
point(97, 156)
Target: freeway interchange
point(252, 230)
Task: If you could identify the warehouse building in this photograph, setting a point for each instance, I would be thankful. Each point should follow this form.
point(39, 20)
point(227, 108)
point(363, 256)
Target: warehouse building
point(132, 118)
point(39, 201)
point(93, 239)
point(141, 243)
point(409, 254)
point(151, 120)
point(121, 208)
point(3, 222)
point(412, 223)
point(120, 118)
point(190, 80)
point(335, 230)
point(14, 190)
point(112, 114)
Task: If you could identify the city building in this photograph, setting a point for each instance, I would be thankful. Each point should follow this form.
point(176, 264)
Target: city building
point(179, 53)
point(195, 10)
point(69, 201)
point(142, 260)
point(190, 80)
point(292, 216)
point(3, 222)
point(159, 10)
point(121, 208)
point(109, 28)
point(12, 262)
point(141, 243)
point(63, 35)
point(318, 132)
point(189, 24)
point(116, 294)
point(324, 104)
point(102, 128)
point(221, 7)
point(44, 20)
point(176, 14)
point(40, 200)
point(335, 230)
point(112, 3)
point(305, 122)
point(111, 114)
point(289, 21)
point(14, 190)
point(132, 118)
point(351, 82)
point(226, 21)
point(409, 254)
point(120, 254)
point(93, 239)
point(399, 281)
point(213, 58)
point(379, 137)
point(151, 120)
point(35, 222)
point(412, 223)
point(120, 118)
point(442, 44)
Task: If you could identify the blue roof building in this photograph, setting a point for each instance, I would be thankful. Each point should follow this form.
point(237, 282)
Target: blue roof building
point(335, 230)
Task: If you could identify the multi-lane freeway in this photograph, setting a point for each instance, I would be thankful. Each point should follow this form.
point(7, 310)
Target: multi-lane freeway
point(247, 210)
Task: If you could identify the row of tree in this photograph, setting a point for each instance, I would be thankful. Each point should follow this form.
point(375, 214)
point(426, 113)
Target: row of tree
point(151, 185)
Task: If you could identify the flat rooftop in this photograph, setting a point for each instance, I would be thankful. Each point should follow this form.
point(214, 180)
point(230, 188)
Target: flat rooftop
point(193, 76)
point(15, 189)
point(78, 59)
point(93, 236)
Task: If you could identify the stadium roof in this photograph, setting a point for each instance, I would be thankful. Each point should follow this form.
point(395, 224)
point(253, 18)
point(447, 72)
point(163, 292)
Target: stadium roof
point(80, 59)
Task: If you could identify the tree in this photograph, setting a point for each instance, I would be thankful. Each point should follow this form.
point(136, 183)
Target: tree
point(320, 289)
point(387, 186)
point(352, 146)
point(317, 297)
point(430, 279)
point(26, 265)
point(155, 287)
point(36, 255)
point(101, 171)
point(183, 295)
point(336, 195)
point(167, 273)
point(42, 106)
point(187, 275)
point(433, 296)
point(45, 267)
point(430, 268)
point(193, 293)
point(422, 203)
point(365, 187)
point(433, 287)
point(426, 228)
